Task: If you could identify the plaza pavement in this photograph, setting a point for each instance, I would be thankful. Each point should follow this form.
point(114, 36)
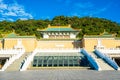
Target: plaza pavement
point(61, 74)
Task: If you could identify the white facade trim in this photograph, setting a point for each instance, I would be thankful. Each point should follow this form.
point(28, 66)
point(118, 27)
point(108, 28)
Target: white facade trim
point(45, 36)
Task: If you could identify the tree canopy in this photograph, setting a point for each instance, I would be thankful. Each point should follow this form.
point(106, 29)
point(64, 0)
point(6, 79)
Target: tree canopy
point(88, 25)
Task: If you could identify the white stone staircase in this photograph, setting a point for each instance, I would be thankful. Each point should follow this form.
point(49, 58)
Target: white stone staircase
point(102, 64)
point(15, 66)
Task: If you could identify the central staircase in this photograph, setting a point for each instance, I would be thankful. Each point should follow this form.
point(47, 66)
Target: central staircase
point(102, 64)
point(15, 66)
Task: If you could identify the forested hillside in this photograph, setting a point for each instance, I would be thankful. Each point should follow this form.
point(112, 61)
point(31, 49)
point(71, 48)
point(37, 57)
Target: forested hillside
point(88, 25)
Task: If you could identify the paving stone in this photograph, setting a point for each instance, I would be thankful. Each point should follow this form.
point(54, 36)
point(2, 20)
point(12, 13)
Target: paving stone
point(60, 74)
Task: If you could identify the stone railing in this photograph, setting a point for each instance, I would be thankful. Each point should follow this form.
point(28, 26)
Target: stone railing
point(110, 50)
point(28, 60)
point(10, 51)
point(91, 59)
point(9, 61)
point(60, 50)
point(107, 59)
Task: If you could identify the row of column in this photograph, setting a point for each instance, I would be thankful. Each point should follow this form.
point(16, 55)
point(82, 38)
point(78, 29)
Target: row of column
point(56, 62)
point(58, 33)
point(59, 36)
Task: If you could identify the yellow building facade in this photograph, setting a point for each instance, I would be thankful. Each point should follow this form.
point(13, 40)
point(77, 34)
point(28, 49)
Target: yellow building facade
point(58, 44)
point(1, 43)
point(90, 43)
point(30, 43)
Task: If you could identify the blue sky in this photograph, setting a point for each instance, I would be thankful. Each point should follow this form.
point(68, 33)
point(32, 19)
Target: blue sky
point(47, 9)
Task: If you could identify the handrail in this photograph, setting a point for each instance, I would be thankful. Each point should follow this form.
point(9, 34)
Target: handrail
point(110, 50)
point(9, 51)
point(12, 59)
point(91, 60)
point(60, 50)
point(27, 61)
point(107, 59)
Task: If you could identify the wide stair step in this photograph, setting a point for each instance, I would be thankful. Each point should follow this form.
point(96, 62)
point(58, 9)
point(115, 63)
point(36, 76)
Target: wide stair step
point(15, 66)
point(103, 65)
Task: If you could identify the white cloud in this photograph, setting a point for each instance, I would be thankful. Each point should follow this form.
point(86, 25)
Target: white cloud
point(10, 14)
point(3, 6)
point(10, 19)
point(86, 9)
point(13, 10)
point(1, 1)
point(1, 19)
point(18, 10)
point(23, 18)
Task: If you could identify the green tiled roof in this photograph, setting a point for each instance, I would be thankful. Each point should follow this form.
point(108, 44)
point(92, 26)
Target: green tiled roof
point(104, 35)
point(59, 29)
point(1, 38)
point(13, 35)
point(117, 38)
point(98, 36)
point(25, 37)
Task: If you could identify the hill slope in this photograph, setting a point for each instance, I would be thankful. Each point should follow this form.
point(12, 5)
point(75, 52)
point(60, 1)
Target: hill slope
point(88, 25)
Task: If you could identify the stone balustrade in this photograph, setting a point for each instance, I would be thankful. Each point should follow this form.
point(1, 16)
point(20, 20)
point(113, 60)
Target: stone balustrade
point(10, 51)
point(60, 50)
point(110, 50)
point(18, 54)
point(28, 60)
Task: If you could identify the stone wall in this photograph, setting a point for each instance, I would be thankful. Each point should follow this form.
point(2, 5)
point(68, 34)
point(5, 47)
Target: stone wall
point(1, 44)
point(90, 43)
point(58, 44)
point(28, 43)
